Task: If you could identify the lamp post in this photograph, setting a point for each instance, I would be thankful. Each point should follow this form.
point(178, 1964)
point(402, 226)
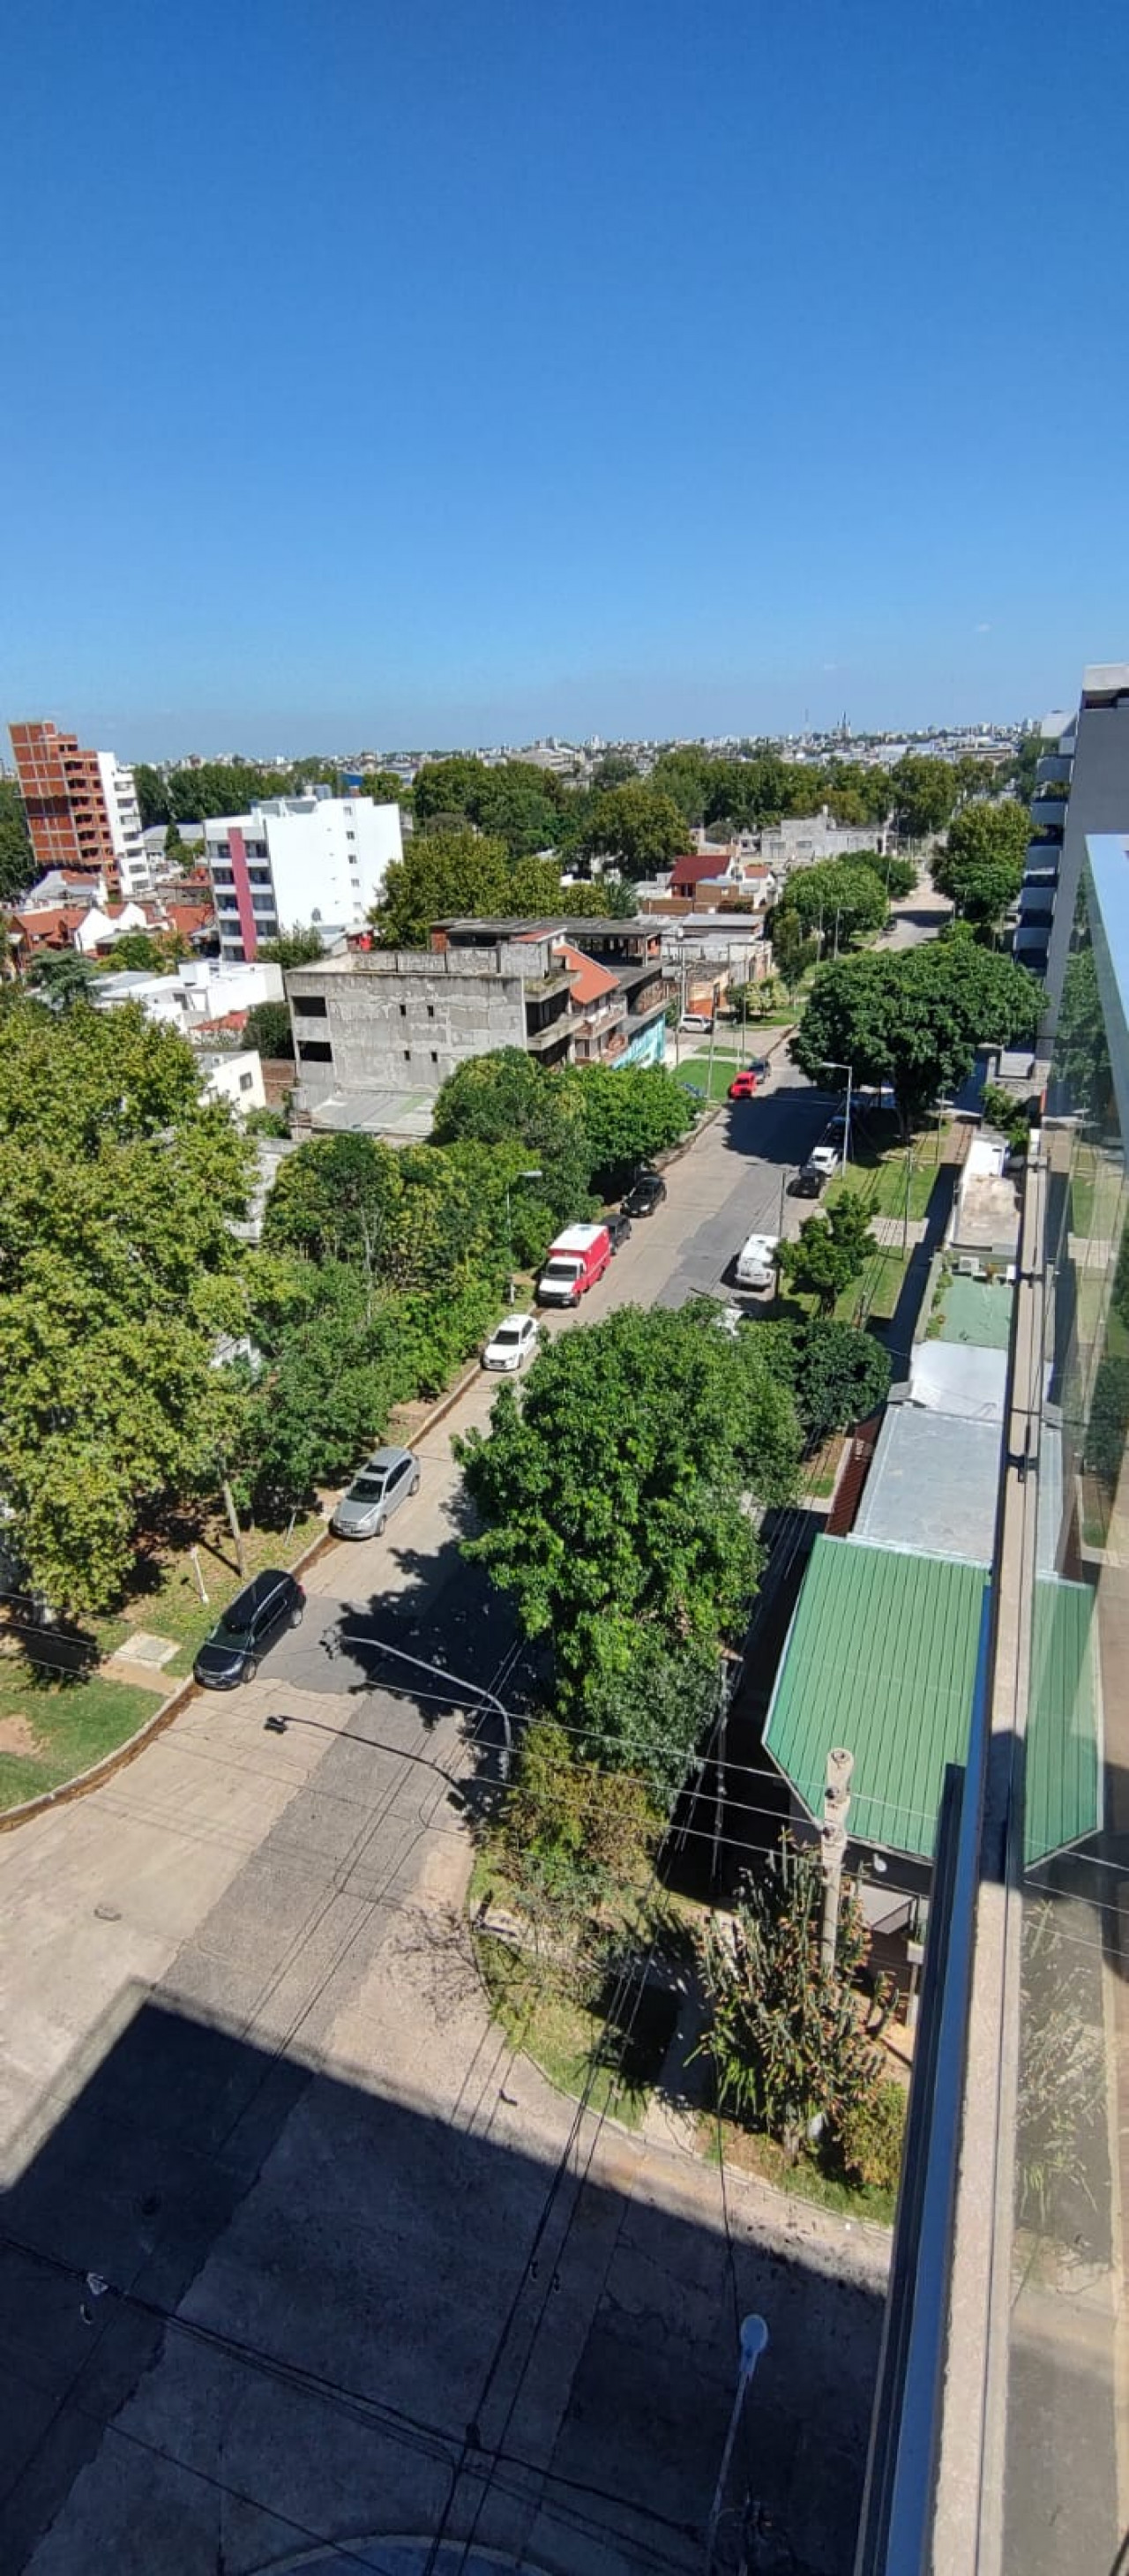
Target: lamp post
point(443, 1673)
point(754, 2340)
point(831, 1064)
point(537, 1175)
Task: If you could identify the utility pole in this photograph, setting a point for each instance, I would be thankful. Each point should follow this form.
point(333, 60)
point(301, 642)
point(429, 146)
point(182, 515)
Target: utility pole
point(833, 1840)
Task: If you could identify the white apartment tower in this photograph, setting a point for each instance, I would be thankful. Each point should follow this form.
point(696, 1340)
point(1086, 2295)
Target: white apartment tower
point(123, 812)
point(315, 859)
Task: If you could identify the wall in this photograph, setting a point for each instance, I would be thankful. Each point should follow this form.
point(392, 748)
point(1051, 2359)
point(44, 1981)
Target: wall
point(237, 1078)
point(1099, 802)
point(395, 1022)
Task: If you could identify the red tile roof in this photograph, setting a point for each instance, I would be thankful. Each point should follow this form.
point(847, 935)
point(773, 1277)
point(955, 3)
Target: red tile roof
point(699, 864)
point(590, 981)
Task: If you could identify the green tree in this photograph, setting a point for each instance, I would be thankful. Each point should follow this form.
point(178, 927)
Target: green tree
point(613, 1494)
point(137, 953)
point(914, 1019)
point(335, 1366)
point(981, 870)
point(506, 1099)
point(974, 777)
point(269, 1028)
point(585, 1829)
point(793, 952)
point(787, 2044)
point(117, 1270)
point(637, 826)
point(630, 1114)
point(613, 769)
point(338, 1199)
point(443, 876)
point(152, 796)
point(829, 1251)
point(840, 1375)
point(447, 786)
point(650, 1715)
point(301, 945)
point(841, 897)
point(385, 788)
point(64, 978)
point(899, 876)
point(18, 870)
point(925, 792)
point(683, 773)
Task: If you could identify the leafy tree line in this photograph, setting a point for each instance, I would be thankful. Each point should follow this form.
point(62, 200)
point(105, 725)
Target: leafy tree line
point(981, 866)
point(452, 873)
point(198, 795)
point(122, 1283)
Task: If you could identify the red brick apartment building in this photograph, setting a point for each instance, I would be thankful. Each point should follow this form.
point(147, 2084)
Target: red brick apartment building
point(62, 789)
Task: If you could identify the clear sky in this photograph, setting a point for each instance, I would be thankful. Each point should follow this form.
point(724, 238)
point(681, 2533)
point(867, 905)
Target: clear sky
point(411, 372)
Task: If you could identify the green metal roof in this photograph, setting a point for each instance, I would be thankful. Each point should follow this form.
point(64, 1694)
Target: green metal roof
point(881, 1658)
point(1062, 1721)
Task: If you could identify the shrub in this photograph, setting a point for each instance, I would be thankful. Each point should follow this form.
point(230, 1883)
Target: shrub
point(870, 2135)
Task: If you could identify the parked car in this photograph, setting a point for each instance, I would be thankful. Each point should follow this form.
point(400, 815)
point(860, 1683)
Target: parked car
point(251, 1624)
point(698, 1023)
point(743, 1085)
point(513, 1341)
point(377, 1490)
point(760, 1065)
point(835, 1130)
point(807, 1182)
point(756, 1262)
point(645, 1195)
point(826, 1159)
point(573, 1264)
point(619, 1228)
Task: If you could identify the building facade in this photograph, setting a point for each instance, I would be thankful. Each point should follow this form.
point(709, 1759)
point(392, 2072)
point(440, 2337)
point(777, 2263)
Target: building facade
point(123, 813)
point(66, 801)
point(317, 859)
point(998, 2445)
point(378, 1031)
point(1081, 787)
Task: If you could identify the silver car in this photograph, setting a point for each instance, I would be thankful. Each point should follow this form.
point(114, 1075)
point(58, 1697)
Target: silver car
point(382, 1484)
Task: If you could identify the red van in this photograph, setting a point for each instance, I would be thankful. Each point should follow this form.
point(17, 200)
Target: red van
point(573, 1264)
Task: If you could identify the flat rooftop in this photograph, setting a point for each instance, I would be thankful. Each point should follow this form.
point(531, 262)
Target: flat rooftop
point(976, 1312)
point(932, 1486)
point(987, 1214)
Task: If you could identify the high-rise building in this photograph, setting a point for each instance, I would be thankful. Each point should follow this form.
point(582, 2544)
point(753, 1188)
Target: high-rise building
point(1081, 787)
point(82, 808)
point(292, 860)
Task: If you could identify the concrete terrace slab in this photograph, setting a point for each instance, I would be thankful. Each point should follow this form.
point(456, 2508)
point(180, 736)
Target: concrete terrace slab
point(976, 1311)
point(932, 1486)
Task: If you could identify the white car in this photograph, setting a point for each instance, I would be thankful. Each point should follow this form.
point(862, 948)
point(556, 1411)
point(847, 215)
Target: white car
point(755, 1265)
point(825, 1159)
point(514, 1341)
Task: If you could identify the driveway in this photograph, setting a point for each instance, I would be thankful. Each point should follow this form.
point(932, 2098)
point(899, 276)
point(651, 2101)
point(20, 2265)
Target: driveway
point(368, 2273)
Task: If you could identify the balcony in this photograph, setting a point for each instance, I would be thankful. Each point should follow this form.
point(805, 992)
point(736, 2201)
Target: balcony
point(1049, 812)
point(1054, 769)
point(1042, 859)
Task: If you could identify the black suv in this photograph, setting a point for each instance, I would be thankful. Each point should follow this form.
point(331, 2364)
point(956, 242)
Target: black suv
point(806, 1183)
point(645, 1195)
point(249, 1627)
point(619, 1228)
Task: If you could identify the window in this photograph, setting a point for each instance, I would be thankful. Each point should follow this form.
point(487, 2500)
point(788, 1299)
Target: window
point(315, 1051)
point(407, 1055)
point(431, 1010)
point(310, 1006)
point(246, 1082)
point(403, 1010)
point(435, 1055)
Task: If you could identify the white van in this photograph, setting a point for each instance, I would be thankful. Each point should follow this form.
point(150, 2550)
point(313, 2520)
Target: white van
point(756, 1261)
point(696, 1023)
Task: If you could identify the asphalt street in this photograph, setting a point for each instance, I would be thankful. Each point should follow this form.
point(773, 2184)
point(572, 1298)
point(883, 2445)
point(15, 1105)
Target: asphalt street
point(292, 2250)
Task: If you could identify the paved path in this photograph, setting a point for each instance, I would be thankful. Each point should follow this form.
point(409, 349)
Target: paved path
point(249, 2080)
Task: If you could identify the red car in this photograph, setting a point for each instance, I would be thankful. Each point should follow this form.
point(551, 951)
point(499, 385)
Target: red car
point(743, 1086)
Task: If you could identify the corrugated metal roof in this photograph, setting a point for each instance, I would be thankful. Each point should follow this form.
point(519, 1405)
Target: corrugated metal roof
point(1061, 1801)
point(881, 1658)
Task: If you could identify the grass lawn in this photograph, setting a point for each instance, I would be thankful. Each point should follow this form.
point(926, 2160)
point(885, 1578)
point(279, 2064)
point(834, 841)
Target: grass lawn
point(878, 1289)
point(752, 2154)
point(883, 1184)
point(713, 1082)
point(50, 1731)
point(166, 1601)
point(570, 2042)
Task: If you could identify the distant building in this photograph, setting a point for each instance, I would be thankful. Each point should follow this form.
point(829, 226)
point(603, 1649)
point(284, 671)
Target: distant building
point(204, 993)
point(377, 1032)
point(801, 839)
point(234, 1075)
point(81, 807)
point(315, 859)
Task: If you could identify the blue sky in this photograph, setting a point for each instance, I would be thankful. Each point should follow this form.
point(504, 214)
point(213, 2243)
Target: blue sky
point(388, 372)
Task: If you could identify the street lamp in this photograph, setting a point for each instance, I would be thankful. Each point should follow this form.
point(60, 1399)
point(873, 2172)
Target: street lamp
point(443, 1673)
point(537, 1175)
point(831, 1064)
point(754, 2338)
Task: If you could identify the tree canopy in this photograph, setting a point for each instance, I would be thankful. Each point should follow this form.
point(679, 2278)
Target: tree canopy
point(981, 869)
point(915, 1019)
point(301, 945)
point(839, 1376)
point(925, 793)
point(268, 1027)
point(456, 873)
point(842, 897)
point(829, 1251)
point(638, 826)
point(117, 1271)
point(613, 1494)
point(18, 870)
